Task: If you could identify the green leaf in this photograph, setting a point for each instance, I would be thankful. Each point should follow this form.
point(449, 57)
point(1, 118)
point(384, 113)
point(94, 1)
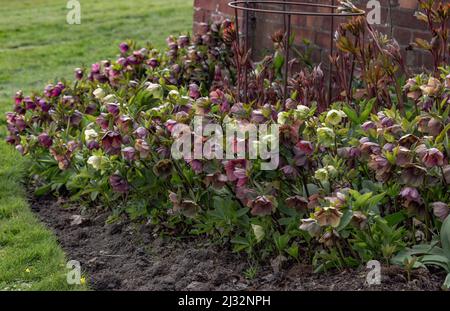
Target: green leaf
point(345, 220)
point(436, 260)
point(446, 285)
point(367, 110)
point(41, 191)
point(351, 114)
point(445, 237)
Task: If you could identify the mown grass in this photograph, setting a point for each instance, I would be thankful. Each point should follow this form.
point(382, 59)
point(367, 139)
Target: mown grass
point(38, 46)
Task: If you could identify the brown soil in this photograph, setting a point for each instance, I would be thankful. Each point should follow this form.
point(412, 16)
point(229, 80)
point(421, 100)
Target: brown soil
point(123, 256)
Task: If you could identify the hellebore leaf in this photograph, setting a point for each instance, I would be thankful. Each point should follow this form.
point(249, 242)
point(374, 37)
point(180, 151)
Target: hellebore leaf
point(446, 285)
point(345, 220)
point(445, 237)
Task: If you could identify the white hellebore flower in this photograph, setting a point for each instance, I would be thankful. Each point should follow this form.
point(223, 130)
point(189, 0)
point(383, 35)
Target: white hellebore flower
point(156, 90)
point(334, 117)
point(99, 93)
point(111, 98)
point(90, 134)
point(282, 117)
point(95, 162)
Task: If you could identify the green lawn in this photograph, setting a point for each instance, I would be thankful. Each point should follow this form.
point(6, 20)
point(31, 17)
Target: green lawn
point(38, 46)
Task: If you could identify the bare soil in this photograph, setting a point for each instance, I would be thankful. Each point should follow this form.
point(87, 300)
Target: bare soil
point(126, 256)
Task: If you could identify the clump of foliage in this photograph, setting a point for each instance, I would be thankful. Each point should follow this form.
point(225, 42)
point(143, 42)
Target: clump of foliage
point(361, 178)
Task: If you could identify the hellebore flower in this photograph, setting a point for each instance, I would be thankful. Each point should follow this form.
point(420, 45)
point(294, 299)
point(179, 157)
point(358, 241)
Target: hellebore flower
point(194, 91)
point(334, 117)
point(411, 194)
point(236, 171)
point(325, 136)
point(217, 180)
point(311, 226)
point(359, 220)
point(218, 97)
point(99, 93)
point(75, 118)
point(432, 87)
point(103, 121)
point(18, 97)
point(45, 107)
point(78, 73)
point(119, 184)
point(45, 140)
point(141, 132)
point(29, 104)
point(163, 168)
point(187, 208)
point(329, 238)
point(435, 127)
point(129, 153)
point(153, 62)
point(440, 210)
point(90, 134)
point(156, 90)
point(368, 126)
point(111, 142)
point(304, 147)
point(433, 157)
point(93, 145)
point(413, 175)
point(143, 148)
point(124, 47)
point(412, 201)
point(321, 174)
point(95, 162)
point(196, 165)
point(262, 206)
point(328, 216)
point(302, 112)
point(381, 166)
point(299, 203)
point(403, 156)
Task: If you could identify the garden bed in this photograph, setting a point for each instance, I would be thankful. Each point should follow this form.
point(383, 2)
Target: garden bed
point(128, 256)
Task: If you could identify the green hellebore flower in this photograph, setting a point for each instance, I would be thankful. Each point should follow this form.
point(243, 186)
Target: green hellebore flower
point(334, 117)
point(325, 136)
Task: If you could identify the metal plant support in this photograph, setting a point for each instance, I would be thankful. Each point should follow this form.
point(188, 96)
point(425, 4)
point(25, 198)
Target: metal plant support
point(251, 6)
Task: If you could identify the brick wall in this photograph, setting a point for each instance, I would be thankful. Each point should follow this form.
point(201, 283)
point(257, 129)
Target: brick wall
point(397, 18)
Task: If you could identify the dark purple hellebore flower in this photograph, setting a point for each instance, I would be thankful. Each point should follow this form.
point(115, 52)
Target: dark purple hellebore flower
point(95, 68)
point(194, 91)
point(78, 73)
point(112, 142)
point(75, 118)
point(411, 195)
point(440, 210)
point(45, 107)
point(368, 125)
point(103, 121)
point(433, 157)
point(153, 62)
point(93, 145)
point(262, 206)
point(119, 184)
point(129, 153)
point(113, 109)
point(123, 47)
point(18, 97)
point(141, 132)
point(45, 140)
point(29, 103)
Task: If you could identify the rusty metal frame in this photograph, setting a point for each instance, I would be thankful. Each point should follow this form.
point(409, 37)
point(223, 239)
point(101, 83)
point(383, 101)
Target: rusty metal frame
point(247, 6)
